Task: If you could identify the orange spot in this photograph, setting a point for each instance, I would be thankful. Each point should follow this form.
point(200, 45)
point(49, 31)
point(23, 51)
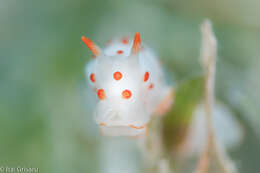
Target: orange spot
point(92, 46)
point(126, 94)
point(102, 124)
point(151, 86)
point(146, 76)
point(92, 77)
point(137, 43)
point(125, 40)
point(101, 94)
point(120, 52)
point(135, 127)
point(117, 75)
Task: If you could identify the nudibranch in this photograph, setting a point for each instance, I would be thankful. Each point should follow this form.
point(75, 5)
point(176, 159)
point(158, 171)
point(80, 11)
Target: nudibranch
point(129, 84)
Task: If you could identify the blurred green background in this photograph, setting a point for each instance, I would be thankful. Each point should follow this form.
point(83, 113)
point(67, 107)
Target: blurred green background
point(44, 120)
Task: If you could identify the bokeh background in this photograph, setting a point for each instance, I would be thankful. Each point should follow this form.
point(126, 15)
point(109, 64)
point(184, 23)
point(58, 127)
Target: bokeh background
point(44, 120)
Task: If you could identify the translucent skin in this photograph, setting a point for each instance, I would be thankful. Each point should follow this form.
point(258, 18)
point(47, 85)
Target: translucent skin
point(129, 87)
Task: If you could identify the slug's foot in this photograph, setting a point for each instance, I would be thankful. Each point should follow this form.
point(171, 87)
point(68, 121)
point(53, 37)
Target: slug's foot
point(131, 130)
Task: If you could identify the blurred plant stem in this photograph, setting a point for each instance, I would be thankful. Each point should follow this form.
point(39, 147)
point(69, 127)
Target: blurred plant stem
point(167, 134)
point(208, 61)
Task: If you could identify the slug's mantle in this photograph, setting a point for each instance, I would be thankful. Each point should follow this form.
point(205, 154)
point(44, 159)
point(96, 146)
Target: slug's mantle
point(129, 85)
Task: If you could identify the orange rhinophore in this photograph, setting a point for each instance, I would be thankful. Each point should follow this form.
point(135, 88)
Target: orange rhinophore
point(91, 45)
point(137, 43)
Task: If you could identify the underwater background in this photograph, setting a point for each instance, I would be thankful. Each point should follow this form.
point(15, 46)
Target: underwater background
point(44, 117)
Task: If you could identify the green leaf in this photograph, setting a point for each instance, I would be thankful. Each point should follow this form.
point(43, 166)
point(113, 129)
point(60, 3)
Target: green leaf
point(188, 95)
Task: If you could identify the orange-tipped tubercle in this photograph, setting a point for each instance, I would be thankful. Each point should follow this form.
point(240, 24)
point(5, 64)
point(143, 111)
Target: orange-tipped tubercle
point(91, 45)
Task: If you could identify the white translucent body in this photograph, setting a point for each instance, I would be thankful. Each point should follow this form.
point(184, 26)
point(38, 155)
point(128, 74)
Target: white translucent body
point(119, 116)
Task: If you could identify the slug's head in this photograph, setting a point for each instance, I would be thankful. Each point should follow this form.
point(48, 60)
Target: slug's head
point(121, 82)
